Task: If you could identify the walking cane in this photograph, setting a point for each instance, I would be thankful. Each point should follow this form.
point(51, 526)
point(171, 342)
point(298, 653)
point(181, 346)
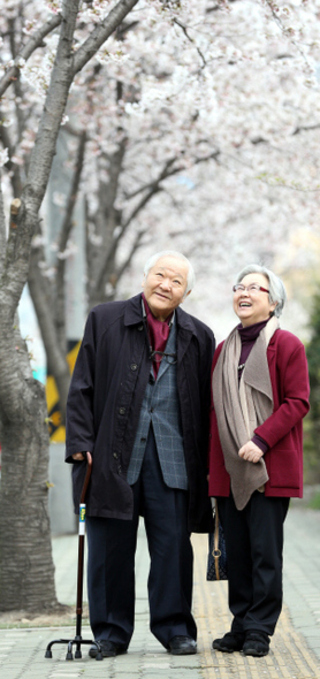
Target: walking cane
point(77, 640)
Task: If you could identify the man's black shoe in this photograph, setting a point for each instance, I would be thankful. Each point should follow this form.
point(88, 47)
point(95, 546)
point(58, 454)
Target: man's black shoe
point(182, 645)
point(232, 641)
point(109, 649)
point(256, 644)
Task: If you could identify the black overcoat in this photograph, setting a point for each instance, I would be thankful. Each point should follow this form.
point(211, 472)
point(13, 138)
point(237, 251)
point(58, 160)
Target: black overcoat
point(105, 398)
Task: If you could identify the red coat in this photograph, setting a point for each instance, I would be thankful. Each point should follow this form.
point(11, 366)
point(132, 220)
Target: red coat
point(282, 431)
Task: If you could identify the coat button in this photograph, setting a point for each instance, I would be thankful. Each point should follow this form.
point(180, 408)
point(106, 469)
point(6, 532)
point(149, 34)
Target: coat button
point(133, 366)
point(140, 327)
point(115, 455)
point(122, 410)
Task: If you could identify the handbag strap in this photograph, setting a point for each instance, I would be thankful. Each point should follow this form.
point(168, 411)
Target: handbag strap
point(216, 553)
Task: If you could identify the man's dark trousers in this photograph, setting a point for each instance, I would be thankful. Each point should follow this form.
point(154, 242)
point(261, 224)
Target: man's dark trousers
point(112, 545)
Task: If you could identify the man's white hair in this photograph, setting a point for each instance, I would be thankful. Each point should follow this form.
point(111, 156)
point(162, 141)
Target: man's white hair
point(191, 278)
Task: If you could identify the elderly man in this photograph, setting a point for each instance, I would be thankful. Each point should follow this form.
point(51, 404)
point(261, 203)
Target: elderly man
point(139, 403)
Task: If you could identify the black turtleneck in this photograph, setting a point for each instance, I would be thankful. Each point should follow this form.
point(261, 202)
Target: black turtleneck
point(248, 337)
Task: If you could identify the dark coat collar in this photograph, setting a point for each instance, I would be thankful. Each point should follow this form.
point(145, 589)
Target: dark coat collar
point(133, 315)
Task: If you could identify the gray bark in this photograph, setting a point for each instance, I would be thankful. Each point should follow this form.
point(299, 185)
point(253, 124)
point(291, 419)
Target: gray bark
point(35, 41)
point(26, 567)
point(42, 298)
point(60, 286)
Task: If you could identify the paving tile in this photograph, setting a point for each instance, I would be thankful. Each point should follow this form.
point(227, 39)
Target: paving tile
point(295, 647)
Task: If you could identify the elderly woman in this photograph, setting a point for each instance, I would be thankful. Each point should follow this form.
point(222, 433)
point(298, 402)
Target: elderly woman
point(260, 395)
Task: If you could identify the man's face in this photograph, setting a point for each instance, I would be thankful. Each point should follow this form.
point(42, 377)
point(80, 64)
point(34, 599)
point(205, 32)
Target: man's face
point(165, 286)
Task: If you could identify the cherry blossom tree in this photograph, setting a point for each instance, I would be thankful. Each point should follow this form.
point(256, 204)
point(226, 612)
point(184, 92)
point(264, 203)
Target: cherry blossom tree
point(196, 124)
point(231, 86)
point(26, 568)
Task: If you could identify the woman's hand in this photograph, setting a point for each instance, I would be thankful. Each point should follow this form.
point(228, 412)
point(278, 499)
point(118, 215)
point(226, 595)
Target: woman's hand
point(250, 452)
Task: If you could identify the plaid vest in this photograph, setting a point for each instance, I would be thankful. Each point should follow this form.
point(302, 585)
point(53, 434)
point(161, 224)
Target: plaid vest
point(160, 407)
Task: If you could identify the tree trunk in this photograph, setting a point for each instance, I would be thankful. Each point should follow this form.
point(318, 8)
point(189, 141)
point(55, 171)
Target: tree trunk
point(42, 301)
point(26, 566)
point(27, 571)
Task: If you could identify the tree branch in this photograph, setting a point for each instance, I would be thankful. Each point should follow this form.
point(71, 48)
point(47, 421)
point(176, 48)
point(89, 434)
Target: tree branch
point(114, 245)
point(59, 303)
point(100, 34)
point(151, 190)
point(305, 128)
point(155, 182)
point(107, 217)
point(35, 41)
point(288, 33)
point(41, 295)
point(166, 172)
point(2, 229)
point(200, 53)
point(13, 169)
point(17, 262)
point(137, 243)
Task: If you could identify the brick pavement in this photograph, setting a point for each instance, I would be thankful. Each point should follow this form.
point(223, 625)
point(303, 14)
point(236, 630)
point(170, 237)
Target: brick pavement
point(295, 647)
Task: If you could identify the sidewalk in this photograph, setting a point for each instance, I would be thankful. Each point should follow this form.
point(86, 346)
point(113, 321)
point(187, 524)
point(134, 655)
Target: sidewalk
point(295, 647)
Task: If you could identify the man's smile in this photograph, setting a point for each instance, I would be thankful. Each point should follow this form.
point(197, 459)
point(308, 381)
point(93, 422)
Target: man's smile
point(160, 294)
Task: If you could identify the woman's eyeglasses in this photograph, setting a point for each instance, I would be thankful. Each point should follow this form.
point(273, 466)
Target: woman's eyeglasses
point(254, 288)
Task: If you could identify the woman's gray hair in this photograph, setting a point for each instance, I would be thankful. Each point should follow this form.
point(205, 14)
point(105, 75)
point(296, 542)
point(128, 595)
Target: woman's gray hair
point(191, 278)
point(277, 291)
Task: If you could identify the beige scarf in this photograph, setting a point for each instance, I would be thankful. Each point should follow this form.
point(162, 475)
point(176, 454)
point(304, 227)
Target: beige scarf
point(240, 409)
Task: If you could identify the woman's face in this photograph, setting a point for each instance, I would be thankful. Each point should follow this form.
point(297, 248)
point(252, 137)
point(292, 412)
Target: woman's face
point(253, 306)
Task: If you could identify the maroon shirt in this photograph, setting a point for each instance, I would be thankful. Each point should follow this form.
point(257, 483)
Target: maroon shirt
point(158, 332)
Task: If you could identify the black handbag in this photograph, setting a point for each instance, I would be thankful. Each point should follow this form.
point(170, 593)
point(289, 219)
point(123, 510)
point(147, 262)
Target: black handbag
point(217, 568)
